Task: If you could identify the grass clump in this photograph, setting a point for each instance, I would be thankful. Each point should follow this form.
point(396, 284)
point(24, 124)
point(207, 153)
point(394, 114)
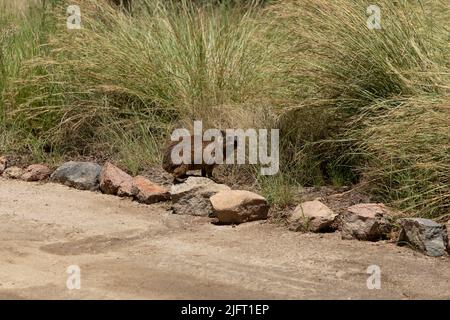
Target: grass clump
point(25, 28)
point(406, 145)
point(353, 105)
point(168, 64)
point(372, 104)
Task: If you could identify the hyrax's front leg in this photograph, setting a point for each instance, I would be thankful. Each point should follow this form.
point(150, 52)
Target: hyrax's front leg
point(180, 173)
point(209, 171)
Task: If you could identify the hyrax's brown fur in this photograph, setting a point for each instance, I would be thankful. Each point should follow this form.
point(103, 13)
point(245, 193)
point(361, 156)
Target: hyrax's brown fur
point(180, 170)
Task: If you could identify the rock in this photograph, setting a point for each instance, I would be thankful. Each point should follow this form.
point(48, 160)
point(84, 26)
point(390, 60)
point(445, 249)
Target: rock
point(125, 190)
point(147, 192)
point(36, 172)
point(12, 173)
point(424, 235)
point(366, 221)
point(3, 164)
point(79, 175)
point(115, 181)
point(192, 196)
point(448, 234)
point(313, 216)
point(238, 206)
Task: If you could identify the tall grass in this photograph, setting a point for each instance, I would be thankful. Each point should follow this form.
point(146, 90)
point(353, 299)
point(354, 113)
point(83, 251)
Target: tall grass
point(406, 147)
point(168, 64)
point(372, 104)
point(25, 27)
point(354, 105)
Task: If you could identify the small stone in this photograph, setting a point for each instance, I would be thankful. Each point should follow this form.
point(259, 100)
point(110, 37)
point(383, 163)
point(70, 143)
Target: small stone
point(13, 173)
point(239, 206)
point(366, 221)
point(3, 164)
point(424, 235)
point(36, 172)
point(313, 216)
point(79, 175)
point(115, 181)
point(148, 192)
point(192, 196)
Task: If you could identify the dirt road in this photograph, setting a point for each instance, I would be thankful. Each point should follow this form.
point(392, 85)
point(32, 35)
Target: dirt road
point(130, 251)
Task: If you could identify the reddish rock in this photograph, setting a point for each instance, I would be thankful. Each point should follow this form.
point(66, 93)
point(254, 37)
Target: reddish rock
point(36, 172)
point(115, 181)
point(125, 190)
point(366, 221)
point(238, 206)
point(148, 192)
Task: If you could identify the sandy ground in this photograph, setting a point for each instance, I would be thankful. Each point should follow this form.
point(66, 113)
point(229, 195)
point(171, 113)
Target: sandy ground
point(130, 251)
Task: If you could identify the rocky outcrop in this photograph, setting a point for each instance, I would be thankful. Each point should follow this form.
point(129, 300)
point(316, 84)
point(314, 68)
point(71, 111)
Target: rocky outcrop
point(79, 175)
point(12, 173)
point(366, 221)
point(238, 206)
point(312, 216)
point(145, 191)
point(36, 172)
point(192, 196)
point(424, 235)
point(115, 181)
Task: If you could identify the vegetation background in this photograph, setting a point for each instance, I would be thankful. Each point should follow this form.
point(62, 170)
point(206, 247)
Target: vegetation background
point(355, 106)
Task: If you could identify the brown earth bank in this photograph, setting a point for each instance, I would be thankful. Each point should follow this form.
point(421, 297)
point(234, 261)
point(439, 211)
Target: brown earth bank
point(127, 250)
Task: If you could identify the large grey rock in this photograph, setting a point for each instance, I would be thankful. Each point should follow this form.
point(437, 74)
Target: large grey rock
point(79, 175)
point(239, 206)
point(192, 196)
point(312, 216)
point(366, 221)
point(424, 235)
point(12, 173)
